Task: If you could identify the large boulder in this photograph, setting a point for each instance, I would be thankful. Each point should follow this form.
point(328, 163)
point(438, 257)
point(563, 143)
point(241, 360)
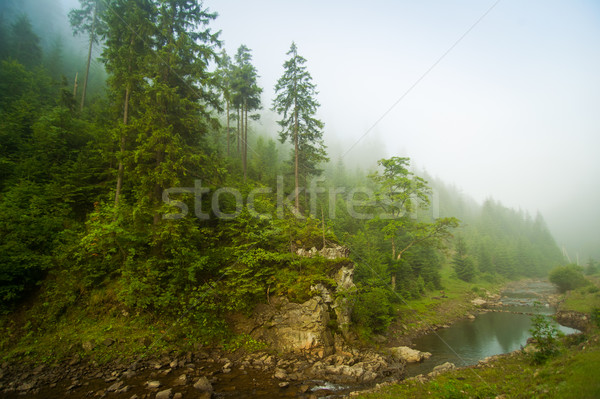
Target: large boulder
point(409, 355)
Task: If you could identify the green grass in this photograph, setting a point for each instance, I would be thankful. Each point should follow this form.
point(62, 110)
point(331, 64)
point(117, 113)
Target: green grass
point(583, 299)
point(573, 374)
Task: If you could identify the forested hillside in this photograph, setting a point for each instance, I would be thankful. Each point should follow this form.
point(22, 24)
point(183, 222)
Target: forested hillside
point(158, 194)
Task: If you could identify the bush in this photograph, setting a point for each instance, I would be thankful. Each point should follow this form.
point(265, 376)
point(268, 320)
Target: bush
point(373, 309)
point(546, 338)
point(567, 277)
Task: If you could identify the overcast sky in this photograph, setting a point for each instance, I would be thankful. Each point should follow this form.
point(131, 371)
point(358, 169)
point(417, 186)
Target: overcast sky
point(510, 111)
point(500, 98)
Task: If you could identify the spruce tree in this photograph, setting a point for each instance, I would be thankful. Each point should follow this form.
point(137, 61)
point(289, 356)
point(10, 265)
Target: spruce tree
point(88, 20)
point(462, 263)
point(296, 102)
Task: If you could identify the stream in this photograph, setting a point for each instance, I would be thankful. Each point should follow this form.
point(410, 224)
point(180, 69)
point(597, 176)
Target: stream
point(466, 342)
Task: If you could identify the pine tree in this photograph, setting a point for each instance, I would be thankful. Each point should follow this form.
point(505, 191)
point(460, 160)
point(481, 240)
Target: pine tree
point(88, 20)
point(179, 93)
point(125, 55)
point(295, 102)
point(246, 97)
point(225, 74)
point(25, 43)
point(463, 264)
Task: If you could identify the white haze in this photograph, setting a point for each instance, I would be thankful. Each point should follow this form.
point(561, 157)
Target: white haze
point(512, 111)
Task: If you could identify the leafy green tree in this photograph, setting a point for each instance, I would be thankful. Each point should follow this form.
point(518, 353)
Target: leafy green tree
point(399, 194)
point(88, 20)
point(546, 337)
point(295, 102)
point(567, 278)
point(462, 263)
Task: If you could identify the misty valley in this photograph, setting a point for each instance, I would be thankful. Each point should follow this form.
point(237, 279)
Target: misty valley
point(171, 227)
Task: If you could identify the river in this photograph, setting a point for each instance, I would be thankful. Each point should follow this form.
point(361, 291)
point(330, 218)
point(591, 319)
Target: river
point(466, 342)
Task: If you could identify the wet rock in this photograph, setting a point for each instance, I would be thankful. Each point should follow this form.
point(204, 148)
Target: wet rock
point(203, 385)
point(280, 374)
point(26, 386)
point(303, 388)
point(114, 387)
point(153, 384)
point(166, 394)
point(178, 395)
point(181, 380)
point(284, 384)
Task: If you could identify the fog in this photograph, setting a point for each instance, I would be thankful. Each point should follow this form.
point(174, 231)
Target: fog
point(498, 98)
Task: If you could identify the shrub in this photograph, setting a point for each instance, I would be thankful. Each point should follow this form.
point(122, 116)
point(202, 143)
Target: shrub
point(373, 309)
point(546, 338)
point(567, 277)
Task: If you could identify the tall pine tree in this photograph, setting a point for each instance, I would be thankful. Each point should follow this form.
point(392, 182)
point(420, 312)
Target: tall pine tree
point(295, 101)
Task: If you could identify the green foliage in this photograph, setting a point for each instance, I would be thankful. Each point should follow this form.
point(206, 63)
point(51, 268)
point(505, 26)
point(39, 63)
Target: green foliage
point(591, 267)
point(462, 263)
point(595, 316)
point(296, 104)
point(567, 277)
point(546, 339)
point(373, 309)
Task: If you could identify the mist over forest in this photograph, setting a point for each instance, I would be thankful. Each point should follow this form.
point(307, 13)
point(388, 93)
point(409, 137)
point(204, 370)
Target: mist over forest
point(164, 176)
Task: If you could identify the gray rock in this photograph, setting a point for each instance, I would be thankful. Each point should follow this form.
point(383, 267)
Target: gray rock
point(442, 368)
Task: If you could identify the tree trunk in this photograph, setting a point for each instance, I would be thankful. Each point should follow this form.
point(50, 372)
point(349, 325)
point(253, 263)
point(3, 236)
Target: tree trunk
point(122, 147)
point(243, 127)
point(238, 130)
point(227, 127)
point(296, 150)
point(89, 59)
point(393, 282)
point(125, 122)
point(245, 140)
point(75, 85)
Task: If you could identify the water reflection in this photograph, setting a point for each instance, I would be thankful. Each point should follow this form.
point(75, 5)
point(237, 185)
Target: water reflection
point(489, 334)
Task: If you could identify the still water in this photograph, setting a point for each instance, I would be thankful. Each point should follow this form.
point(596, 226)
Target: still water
point(468, 341)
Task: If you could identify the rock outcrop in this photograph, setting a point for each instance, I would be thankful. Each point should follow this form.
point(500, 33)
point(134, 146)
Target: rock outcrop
point(299, 327)
point(579, 321)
